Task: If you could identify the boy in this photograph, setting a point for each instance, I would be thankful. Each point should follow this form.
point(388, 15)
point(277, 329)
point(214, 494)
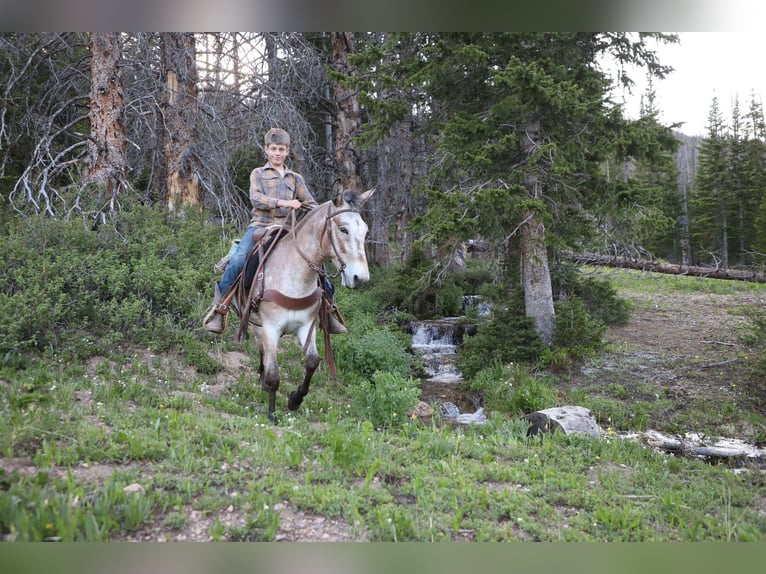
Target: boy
point(274, 191)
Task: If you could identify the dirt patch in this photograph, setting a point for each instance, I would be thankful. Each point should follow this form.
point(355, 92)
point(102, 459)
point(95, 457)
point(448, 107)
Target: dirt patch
point(685, 349)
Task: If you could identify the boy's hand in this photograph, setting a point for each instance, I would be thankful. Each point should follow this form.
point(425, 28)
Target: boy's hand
point(292, 203)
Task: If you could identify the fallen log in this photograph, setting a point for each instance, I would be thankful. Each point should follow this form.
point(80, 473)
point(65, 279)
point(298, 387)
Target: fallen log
point(696, 445)
point(669, 268)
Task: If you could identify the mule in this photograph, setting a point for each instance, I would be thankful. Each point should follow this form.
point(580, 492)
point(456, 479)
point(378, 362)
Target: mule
point(291, 288)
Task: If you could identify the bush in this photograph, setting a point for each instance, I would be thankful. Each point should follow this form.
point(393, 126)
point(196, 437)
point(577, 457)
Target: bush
point(508, 336)
point(377, 349)
point(598, 295)
point(576, 330)
point(511, 388)
point(601, 301)
point(412, 289)
point(385, 400)
point(129, 279)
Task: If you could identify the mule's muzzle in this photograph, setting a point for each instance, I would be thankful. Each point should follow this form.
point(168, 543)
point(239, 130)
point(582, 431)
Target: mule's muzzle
point(353, 280)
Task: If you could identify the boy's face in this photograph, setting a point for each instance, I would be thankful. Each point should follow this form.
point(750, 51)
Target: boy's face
point(277, 154)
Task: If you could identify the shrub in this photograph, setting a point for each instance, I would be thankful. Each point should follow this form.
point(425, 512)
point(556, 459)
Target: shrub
point(598, 295)
point(511, 388)
point(508, 336)
point(576, 330)
point(377, 349)
point(601, 300)
point(385, 400)
point(129, 279)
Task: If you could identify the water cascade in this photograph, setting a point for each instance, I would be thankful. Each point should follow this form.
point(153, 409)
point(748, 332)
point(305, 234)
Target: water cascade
point(437, 342)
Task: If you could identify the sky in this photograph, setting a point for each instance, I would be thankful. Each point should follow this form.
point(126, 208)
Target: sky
point(707, 65)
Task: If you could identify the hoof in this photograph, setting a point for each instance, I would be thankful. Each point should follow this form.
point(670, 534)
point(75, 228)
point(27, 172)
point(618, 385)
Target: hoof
point(295, 401)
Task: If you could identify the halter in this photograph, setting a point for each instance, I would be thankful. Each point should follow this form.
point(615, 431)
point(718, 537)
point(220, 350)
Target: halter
point(325, 232)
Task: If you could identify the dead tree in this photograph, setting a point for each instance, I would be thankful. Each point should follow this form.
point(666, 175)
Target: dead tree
point(182, 165)
point(107, 165)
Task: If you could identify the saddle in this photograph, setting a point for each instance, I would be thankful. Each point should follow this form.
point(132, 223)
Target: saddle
point(250, 285)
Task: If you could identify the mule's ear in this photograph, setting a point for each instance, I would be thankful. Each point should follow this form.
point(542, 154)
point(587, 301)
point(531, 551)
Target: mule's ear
point(337, 192)
point(363, 197)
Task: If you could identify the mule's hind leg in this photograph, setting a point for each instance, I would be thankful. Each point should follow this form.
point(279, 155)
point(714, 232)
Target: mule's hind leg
point(312, 362)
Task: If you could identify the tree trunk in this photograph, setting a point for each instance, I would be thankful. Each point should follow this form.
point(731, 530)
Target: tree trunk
point(347, 121)
point(536, 276)
point(107, 162)
point(724, 239)
point(182, 163)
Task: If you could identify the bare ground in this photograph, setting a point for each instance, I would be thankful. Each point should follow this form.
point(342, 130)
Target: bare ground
point(685, 349)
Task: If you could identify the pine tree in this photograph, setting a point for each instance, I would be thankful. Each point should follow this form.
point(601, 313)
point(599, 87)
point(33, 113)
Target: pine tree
point(521, 124)
point(712, 199)
point(755, 130)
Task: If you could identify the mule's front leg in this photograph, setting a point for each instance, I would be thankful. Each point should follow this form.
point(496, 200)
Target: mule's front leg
point(270, 375)
point(312, 362)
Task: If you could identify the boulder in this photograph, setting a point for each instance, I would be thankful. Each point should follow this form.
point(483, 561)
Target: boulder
point(568, 419)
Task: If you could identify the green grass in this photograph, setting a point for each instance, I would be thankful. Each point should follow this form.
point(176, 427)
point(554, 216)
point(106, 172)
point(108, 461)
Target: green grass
point(406, 482)
point(645, 282)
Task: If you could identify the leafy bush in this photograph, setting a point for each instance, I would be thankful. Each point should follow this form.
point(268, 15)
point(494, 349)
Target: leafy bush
point(755, 336)
point(133, 278)
point(413, 289)
point(576, 330)
point(385, 400)
point(511, 388)
point(376, 349)
point(601, 300)
point(598, 295)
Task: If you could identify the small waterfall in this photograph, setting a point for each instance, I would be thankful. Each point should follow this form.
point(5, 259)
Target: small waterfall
point(437, 343)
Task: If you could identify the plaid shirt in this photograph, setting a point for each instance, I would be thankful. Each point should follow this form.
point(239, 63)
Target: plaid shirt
point(267, 186)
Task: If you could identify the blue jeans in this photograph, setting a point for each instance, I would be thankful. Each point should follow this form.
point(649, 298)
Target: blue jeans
point(237, 261)
point(239, 258)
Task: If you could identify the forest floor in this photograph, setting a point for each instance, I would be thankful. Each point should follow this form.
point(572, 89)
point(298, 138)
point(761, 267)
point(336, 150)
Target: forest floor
point(679, 365)
point(684, 354)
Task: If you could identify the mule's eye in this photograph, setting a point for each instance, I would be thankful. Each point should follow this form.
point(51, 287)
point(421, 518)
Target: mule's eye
point(344, 230)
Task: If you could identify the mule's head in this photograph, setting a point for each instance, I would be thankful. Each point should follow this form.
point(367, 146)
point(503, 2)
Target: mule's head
point(348, 232)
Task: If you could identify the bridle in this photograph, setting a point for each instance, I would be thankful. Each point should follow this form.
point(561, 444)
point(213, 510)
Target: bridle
point(325, 233)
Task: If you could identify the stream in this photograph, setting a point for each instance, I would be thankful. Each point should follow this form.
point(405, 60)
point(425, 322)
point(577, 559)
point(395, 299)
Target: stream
point(437, 341)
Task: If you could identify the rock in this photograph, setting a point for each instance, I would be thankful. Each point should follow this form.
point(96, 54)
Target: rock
point(134, 489)
point(568, 419)
point(422, 409)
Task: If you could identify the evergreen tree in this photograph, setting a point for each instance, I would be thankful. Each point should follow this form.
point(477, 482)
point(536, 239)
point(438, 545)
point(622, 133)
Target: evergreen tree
point(639, 217)
point(755, 178)
point(712, 200)
point(521, 124)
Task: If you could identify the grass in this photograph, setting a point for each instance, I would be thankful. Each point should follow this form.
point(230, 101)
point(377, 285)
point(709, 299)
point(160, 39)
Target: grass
point(166, 441)
point(217, 458)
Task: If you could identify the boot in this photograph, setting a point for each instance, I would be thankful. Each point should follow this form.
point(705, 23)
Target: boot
point(215, 318)
point(335, 323)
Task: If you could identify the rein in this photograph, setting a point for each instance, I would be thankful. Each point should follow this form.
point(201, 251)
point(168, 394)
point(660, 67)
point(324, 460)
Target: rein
point(330, 215)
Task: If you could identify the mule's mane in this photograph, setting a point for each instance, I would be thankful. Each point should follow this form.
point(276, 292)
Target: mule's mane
point(350, 198)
